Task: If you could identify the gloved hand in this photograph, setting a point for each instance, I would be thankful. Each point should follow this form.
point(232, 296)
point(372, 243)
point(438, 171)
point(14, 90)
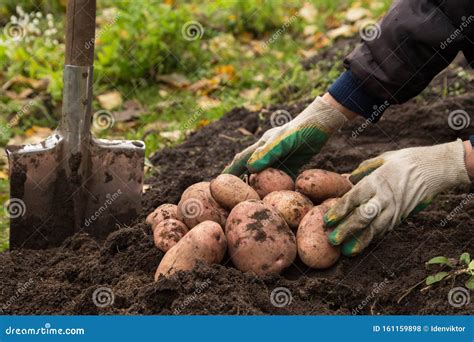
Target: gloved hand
point(290, 146)
point(398, 183)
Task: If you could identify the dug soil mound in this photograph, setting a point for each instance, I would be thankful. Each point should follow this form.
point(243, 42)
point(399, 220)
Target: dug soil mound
point(83, 276)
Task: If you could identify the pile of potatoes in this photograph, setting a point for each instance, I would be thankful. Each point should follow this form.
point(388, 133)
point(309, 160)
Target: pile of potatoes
point(264, 225)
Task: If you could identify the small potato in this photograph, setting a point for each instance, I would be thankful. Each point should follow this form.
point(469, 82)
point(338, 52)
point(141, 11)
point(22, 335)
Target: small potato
point(314, 248)
point(270, 180)
point(259, 240)
point(167, 233)
point(163, 212)
point(197, 205)
point(229, 190)
point(320, 185)
point(291, 205)
point(206, 242)
point(329, 203)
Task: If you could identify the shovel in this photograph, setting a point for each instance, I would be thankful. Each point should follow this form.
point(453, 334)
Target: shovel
point(73, 182)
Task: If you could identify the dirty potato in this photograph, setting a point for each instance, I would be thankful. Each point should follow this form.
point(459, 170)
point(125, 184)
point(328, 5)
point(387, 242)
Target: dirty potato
point(163, 212)
point(167, 233)
point(259, 240)
point(229, 190)
point(197, 205)
point(314, 248)
point(320, 185)
point(291, 205)
point(270, 180)
point(206, 242)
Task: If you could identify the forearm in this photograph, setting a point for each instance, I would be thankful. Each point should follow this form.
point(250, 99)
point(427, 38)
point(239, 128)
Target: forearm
point(469, 159)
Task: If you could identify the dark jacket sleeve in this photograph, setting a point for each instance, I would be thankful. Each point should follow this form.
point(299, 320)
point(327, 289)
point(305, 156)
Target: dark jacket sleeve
point(414, 42)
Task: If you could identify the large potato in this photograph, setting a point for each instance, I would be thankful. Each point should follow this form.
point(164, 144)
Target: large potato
point(320, 185)
point(229, 190)
point(270, 180)
point(291, 205)
point(206, 242)
point(259, 240)
point(163, 212)
point(314, 248)
point(197, 205)
point(167, 233)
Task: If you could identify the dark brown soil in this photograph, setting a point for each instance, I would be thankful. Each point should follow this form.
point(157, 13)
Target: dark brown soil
point(63, 280)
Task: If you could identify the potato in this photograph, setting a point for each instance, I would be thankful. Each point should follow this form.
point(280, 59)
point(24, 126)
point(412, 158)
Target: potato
point(163, 212)
point(329, 203)
point(167, 233)
point(270, 180)
point(320, 185)
point(314, 248)
point(291, 205)
point(197, 205)
point(206, 242)
point(229, 190)
point(259, 240)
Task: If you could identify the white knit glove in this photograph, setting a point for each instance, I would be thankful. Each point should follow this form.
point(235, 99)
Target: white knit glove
point(400, 183)
point(290, 146)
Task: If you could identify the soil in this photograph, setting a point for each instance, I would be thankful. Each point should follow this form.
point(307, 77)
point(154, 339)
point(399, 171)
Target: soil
point(63, 280)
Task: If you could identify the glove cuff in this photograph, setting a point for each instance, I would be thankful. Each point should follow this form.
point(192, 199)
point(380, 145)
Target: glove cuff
point(324, 115)
point(447, 168)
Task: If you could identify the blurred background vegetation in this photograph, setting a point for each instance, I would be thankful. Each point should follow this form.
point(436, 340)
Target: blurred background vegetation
point(166, 68)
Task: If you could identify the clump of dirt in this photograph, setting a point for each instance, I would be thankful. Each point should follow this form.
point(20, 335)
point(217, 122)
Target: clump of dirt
point(66, 280)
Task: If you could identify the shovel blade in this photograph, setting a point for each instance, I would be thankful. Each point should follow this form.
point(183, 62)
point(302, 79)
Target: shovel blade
point(114, 188)
point(46, 206)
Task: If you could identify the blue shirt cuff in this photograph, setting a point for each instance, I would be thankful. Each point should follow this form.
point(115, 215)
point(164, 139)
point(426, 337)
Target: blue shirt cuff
point(348, 91)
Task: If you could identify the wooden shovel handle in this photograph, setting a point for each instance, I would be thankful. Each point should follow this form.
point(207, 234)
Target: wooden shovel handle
point(80, 32)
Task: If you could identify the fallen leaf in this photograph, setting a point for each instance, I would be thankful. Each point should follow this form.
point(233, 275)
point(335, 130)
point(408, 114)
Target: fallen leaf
point(331, 22)
point(131, 109)
point(37, 85)
point(205, 86)
point(33, 135)
point(342, 31)
point(203, 123)
point(250, 94)
point(310, 30)
point(225, 72)
point(163, 93)
point(3, 174)
point(258, 46)
point(308, 12)
point(171, 135)
point(319, 40)
point(110, 100)
point(208, 102)
point(175, 80)
point(355, 14)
